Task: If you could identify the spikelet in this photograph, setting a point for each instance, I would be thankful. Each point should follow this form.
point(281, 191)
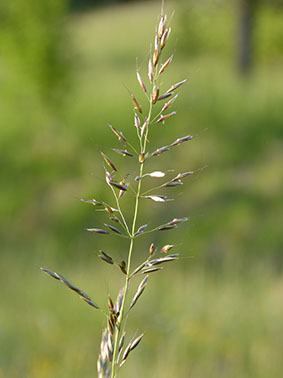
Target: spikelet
point(169, 103)
point(122, 152)
point(141, 82)
point(151, 249)
point(136, 103)
point(154, 95)
point(144, 127)
point(119, 134)
point(165, 38)
point(139, 292)
point(150, 70)
point(161, 26)
point(165, 117)
point(166, 248)
point(156, 52)
point(108, 161)
point(137, 121)
point(165, 65)
point(164, 96)
point(177, 85)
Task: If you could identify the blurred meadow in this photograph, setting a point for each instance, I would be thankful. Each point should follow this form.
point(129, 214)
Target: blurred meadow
point(65, 70)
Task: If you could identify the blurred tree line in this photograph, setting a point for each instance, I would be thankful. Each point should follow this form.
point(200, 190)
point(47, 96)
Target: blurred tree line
point(83, 4)
point(33, 40)
point(247, 22)
point(246, 40)
point(33, 35)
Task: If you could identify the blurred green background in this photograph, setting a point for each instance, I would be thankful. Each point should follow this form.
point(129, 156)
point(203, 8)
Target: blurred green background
point(65, 67)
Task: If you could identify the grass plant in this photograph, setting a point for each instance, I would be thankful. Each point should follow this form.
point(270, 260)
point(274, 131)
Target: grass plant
point(217, 315)
point(114, 350)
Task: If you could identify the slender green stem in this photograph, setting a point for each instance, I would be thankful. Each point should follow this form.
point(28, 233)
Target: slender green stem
point(121, 316)
point(116, 342)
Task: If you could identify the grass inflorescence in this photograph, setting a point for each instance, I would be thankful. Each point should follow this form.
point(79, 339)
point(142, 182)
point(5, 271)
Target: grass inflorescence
point(114, 350)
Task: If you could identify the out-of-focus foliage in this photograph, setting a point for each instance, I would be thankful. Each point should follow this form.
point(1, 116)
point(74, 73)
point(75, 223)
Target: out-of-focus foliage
point(78, 5)
point(32, 40)
point(246, 116)
point(35, 75)
point(204, 29)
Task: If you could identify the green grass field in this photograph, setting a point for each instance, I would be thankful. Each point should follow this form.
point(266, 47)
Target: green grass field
point(216, 326)
point(218, 312)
